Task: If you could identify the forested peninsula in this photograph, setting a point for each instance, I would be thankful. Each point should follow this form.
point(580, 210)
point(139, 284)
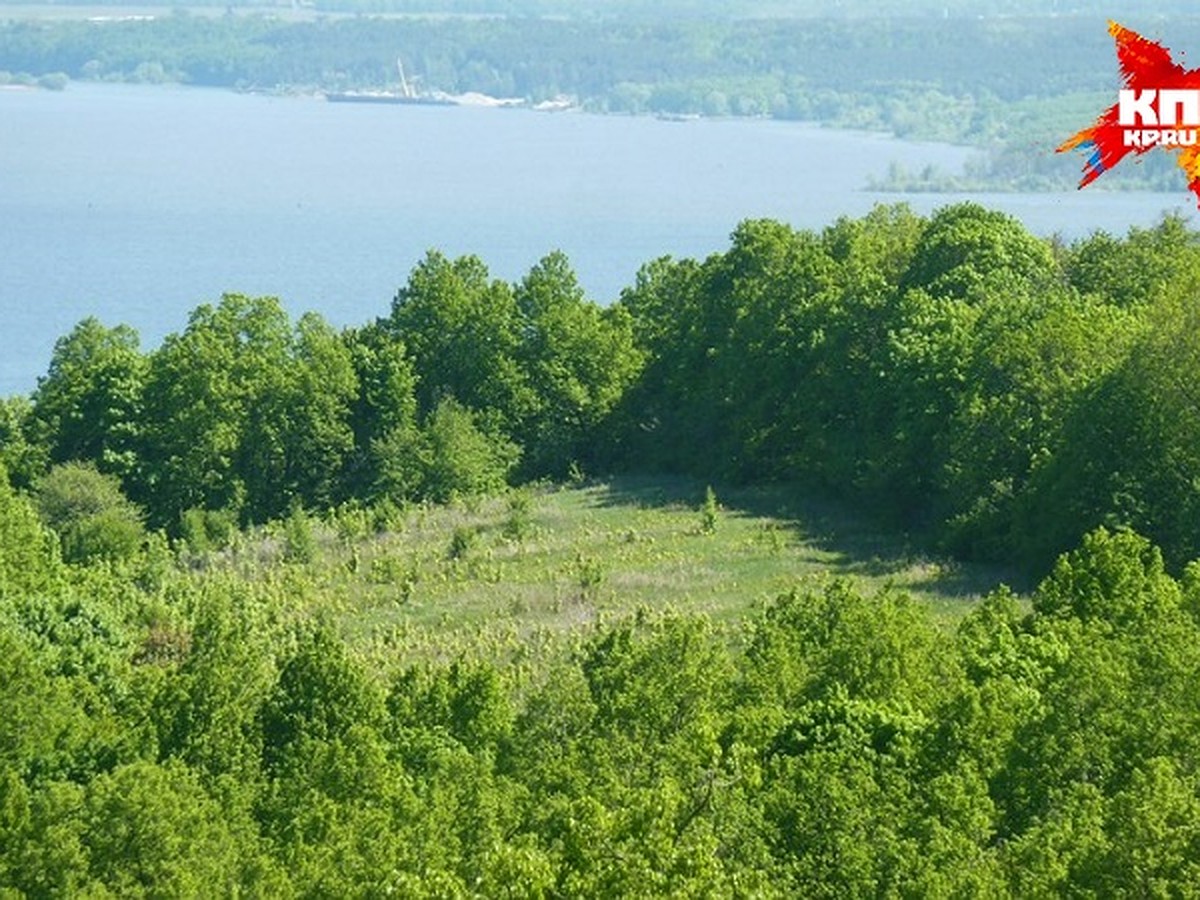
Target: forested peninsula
point(504, 593)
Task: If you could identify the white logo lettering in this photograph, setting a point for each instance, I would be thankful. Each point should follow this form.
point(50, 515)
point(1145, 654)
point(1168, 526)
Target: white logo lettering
point(1141, 138)
point(1136, 107)
point(1179, 107)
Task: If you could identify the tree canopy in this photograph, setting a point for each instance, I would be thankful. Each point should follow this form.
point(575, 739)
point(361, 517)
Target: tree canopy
point(193, 700)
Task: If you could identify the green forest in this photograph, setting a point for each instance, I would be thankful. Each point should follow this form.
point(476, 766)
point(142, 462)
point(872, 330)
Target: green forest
point(504, 593)
point(1013, 81)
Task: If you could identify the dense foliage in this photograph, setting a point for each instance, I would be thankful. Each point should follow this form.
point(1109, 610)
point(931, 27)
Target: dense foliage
point(167, 734)
point(171, 728)
point(997, 392)
point(954, 372)
point(245, 414)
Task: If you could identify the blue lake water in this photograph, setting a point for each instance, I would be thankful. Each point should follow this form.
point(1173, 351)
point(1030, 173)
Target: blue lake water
point(135, 204)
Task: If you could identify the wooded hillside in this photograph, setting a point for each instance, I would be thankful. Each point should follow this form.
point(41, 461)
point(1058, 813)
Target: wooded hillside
point(234, 578)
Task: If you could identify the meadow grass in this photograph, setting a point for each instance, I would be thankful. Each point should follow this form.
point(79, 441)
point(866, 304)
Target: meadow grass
point(522, 575)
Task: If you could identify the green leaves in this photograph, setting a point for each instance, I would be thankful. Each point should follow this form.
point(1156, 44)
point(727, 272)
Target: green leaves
point(579, 360)
point(321, 695)
point(1115, 578)
point(462, 331)
point(166, 730)
point(463, 459)
point(840, 743)
point(537, 362)
point(153, 828)
point(967, 251)
point(217, 412)
point(948, 372)
point(91, 516)
point(28, 552)
point(89, 404)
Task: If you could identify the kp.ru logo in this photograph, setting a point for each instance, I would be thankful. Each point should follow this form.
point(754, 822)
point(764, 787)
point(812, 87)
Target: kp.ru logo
point(1158, 107)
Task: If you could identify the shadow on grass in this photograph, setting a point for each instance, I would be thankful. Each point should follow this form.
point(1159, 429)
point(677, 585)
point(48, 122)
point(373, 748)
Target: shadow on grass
point(853, 539)
point(649, 492)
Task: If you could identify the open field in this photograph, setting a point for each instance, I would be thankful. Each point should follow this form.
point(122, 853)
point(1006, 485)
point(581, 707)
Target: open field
point(529, 573)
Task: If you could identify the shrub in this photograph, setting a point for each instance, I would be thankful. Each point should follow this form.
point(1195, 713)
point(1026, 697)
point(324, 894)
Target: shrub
point(205, 530)
point(708, 511)
point(461, 542)
point(91, 516)
point(519, 524)
point(464, 459)
point(299, 543)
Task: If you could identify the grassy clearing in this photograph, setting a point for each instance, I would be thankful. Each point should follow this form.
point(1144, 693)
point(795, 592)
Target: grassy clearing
point(521, 576)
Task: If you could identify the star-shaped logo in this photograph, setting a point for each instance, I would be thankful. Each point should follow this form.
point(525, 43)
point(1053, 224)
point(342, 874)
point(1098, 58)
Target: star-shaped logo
point(1158, 108)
